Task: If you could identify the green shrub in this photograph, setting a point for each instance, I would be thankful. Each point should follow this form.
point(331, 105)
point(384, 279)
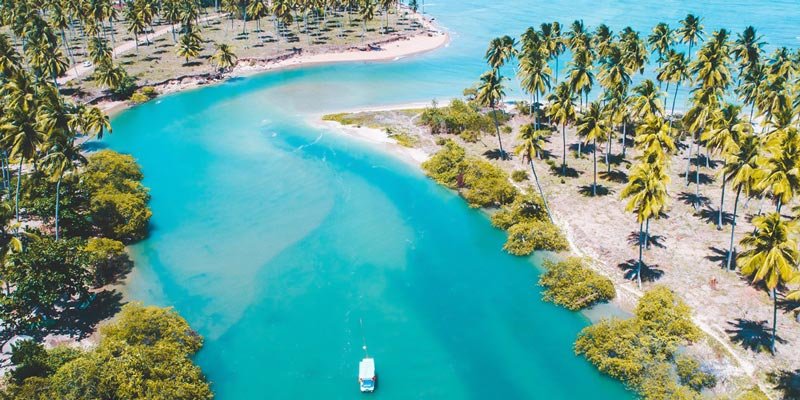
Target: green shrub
point(636, 350)
point(106, 260)
point(120, 216)
point(440, 141)
point(486, 185)
point(519, 175)
point(456, 118)
point(149, 91)
point(571, 284)
point(402, 138)
point(753, 393)
point(139, 98)
point(447, 165)
point(525, 208)
point(527, 237)
point(691, 375)
point(506, 129)
point(470, 136)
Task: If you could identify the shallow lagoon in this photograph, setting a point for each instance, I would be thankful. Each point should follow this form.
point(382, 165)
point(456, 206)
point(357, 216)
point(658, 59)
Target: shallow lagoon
point(287, 246)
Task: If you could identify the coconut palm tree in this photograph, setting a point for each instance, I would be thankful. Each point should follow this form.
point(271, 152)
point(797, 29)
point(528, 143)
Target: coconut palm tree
point(581, 77)
point(678, 67)
point(782, 167)
point(690, 32)
point(646, 100)
point(562, 110)
point(531, 146)
point(223, 58)
point(771, 256)
point(534, 74)
point(189, 46)
point(602, 39)
point(551, 34)
point(490, 94)
point(660, 41)
point(634, 50)
point(727, 128)
point(614, 74)
point(647, 196)
point(60, 161)
point(743, 169)
point(23, 138)
point(748, 50)
point(501, 50)
point(655, 140)
point(592, 125)
point(10, 59)
point(749, 88)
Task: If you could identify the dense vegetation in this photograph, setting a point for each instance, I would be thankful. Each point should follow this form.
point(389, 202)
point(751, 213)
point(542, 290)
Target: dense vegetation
point(65, 219)
point(573, 285)
point(641, 351)
point(144, 354)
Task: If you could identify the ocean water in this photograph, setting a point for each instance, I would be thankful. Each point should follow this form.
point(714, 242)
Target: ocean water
point(289, 247)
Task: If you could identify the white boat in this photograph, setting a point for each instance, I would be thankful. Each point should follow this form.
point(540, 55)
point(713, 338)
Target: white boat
point(366, 375)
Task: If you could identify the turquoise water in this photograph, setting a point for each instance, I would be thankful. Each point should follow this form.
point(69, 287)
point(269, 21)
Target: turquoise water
point(287, 246)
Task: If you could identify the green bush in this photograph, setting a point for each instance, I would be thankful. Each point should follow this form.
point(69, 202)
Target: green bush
point(120, 216)
point(519, 175)
point(470, 136)
point(447, 165)
point(525, 208)
point(106, 259)
point(527, 237)
point(486, 185)
point(571, 284)
point(139, 98)
point(144, 354)
point(480, 182)
point(636, 349)
point(691, 375)
point(455, 119)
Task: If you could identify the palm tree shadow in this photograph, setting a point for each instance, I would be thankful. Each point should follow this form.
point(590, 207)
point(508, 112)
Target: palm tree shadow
point(701, 161)
point(650, 273)
point(788, 305)
point(615, 176)
point(705, 179)
point(568, 172)
point(711, 216)
point(496, 154)
point(586, 190)
point(653, 240)
point(691, 199)
point(752, 335)
point(720, 256)
point(786, 382)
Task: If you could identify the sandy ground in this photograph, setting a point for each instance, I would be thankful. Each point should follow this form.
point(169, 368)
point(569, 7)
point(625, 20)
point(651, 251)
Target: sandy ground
point(686, 254)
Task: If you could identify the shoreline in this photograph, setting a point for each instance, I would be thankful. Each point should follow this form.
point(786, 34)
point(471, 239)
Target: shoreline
point(390, 50)
point(627, 296)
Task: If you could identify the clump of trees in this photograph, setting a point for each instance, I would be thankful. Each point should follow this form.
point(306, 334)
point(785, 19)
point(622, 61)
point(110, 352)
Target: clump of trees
point(573, 285)
point(145, 353)
point(641, 351)
point(458, 118)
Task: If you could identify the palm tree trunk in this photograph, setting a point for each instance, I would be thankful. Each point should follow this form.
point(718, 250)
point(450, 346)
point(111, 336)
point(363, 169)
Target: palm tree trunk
point(594, 155)
point(689, 162)
point(19, 184)
point(499, 140)
point(647, 234)
point(774, 319)
point(721, 201)
point(624, 137)
point(733, 229)
point(66, 46)
point(58, 194)
point(564, 158)
point(674, 99)
point(608, 153)
point(641, 249)
point(697, 179)
point(541, 192)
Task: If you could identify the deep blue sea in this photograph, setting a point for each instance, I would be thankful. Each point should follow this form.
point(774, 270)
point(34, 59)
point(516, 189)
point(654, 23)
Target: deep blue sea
point(288, 246)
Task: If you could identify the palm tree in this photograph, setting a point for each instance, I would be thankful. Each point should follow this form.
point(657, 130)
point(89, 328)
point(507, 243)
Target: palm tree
point(562, 110)
point(23, 137)
point(634, 50)
point(223, 58)
point(581, 77)
point(660, 41)
point(367, 13)
point(646, 100)
point(743, 169)
point(490, 94)
point(771, 256)
point(551, 33)
point(501, 50)
point(690, 32)
point(655, 140)
point(678, 67)
point(646, 192)
point(534, 76)
point(748, 49)
point(592, 125)
point(60, 161)
point(727, 128)
point(531, 145)
point(189, 46)
point(782, 167)
point(9, 57)
point(614, 74)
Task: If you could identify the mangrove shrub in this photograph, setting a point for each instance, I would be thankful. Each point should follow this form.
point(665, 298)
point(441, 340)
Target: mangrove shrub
point(571, 284)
